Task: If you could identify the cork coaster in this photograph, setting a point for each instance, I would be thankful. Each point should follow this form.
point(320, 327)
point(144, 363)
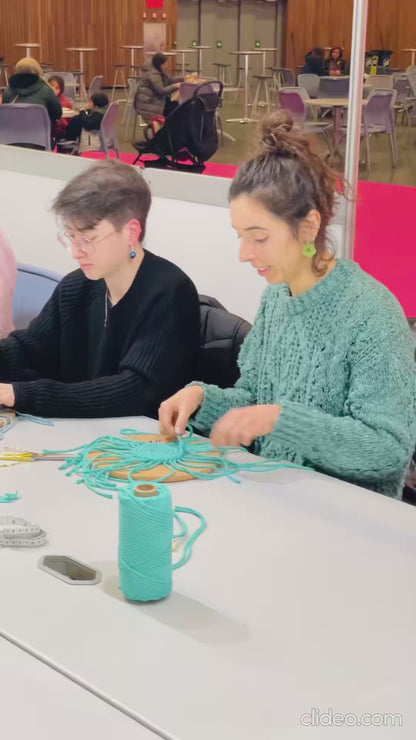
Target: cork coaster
point(159, 471)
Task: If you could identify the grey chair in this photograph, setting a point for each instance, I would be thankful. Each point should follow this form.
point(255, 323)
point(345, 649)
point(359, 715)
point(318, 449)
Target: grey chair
point(95, 86)
point(295, 100)
point(69, 82)
point(380, 82)
point(25, 124)
point(334, 87)
point(108, 134)
point(378, 118)
point(403, 102)
point(310, 83)
point(34, 287)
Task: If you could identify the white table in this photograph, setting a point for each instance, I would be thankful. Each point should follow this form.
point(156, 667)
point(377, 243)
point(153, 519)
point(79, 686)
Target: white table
point(28, 46)
point(246, 55)
point(40, 703)
point(299, 594)
point(200, 48)
point(133, 48)
point(81, 50)
point(264, 50)
point(337, 104)
point(413, 53)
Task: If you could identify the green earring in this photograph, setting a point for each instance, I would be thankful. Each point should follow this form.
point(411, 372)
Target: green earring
point(309, 249)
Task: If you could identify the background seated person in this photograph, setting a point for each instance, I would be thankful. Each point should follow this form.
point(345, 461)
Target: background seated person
point(28, 86)
point(154, 89)
point(86, 125)
point(8, 273)
point(336, 64)
point(119, 334)
point(57, 84)
point(315, 62)
point(327, 371)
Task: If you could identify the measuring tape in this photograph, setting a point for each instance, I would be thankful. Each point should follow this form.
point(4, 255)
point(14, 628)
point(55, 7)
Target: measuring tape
point(16, 532)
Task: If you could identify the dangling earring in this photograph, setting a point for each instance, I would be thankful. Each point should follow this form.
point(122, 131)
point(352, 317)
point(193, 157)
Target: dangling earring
point(309, 249)
point(132, 253)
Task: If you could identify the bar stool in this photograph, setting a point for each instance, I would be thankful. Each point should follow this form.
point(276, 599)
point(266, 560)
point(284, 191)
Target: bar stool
point(4, 73)
point(262, 86)
point(119, 72)
point(224, 74)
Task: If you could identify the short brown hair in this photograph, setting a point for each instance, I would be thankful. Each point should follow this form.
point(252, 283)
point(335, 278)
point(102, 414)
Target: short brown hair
point(289, 179)
point(108, 189)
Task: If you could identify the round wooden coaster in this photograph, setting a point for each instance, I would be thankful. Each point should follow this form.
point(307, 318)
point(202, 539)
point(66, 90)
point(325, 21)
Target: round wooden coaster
point(159, 471)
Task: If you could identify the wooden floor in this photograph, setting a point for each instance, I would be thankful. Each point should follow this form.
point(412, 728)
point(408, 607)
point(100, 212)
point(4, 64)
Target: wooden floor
point(381, 169)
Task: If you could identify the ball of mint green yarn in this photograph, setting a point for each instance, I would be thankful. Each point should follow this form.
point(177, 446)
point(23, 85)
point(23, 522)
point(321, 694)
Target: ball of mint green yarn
point(145, 544)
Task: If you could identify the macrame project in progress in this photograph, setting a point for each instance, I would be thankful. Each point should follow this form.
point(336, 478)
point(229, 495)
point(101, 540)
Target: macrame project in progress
point(106, 462)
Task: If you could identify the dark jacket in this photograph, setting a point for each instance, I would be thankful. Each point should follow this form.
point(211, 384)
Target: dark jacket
point(314, 65)
point(340, 64)
point(153, 89)
point(30, 88)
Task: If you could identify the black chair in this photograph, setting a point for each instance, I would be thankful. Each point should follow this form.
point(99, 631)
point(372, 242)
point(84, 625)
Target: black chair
point(222, 335)
point(190, 132)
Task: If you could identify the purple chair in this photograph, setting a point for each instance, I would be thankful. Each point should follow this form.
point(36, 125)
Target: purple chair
point(295, 100)
point(25, 123)
point(95, 85)
point(403, 104)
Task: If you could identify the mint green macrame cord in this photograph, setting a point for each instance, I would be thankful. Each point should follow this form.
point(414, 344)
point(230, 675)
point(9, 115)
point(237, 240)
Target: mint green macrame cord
point(186, 454)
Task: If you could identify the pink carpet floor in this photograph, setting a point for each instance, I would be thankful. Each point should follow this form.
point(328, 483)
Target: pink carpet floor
point(385, 237)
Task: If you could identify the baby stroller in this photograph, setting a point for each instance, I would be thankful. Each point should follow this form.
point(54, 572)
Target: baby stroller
point(189, 133)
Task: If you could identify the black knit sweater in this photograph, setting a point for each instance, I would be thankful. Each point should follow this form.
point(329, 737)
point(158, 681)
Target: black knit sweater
point(69, 363)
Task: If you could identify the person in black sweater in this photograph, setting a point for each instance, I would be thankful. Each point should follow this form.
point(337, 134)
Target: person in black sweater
point(120, 334)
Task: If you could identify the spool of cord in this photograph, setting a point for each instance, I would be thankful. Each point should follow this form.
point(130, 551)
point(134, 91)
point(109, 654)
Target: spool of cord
point(145, 542)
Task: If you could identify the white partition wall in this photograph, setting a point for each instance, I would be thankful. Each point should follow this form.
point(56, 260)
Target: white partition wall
point(189, 224)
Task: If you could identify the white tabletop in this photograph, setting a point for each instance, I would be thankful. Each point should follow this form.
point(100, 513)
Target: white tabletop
point(407, 49)
point(39, 703)
point(166, 53)
point(246, 52)
point(266, 48)
point(200, 46)
point(184, 51)
point(29, 43)
point(81, 48)
point(131, 46)
point(332, 102)
point(299, 594)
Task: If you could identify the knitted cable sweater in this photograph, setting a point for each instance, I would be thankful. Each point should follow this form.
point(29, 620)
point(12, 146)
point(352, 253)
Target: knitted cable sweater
point(339, 360)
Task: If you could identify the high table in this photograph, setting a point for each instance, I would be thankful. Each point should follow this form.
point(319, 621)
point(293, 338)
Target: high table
point(40, 703)
point(81, 50)
point(28, 46)
point(413, 53)
point(133, 48)
point(299, 597)
point(200, 48)
point(246, 55)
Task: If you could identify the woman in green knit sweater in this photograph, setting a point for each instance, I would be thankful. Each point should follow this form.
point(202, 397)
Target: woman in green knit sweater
point(327, 371)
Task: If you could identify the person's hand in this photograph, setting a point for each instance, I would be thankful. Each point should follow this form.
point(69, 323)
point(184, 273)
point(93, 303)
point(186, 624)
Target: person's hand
point(7, 395)
point(176, 410)
point(177, 85)
point(243, 425)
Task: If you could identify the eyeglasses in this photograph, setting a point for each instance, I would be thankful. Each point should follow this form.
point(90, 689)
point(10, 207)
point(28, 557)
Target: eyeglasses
point(85, 244)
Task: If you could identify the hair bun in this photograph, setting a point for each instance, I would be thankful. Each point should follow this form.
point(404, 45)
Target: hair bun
point(278, 135)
